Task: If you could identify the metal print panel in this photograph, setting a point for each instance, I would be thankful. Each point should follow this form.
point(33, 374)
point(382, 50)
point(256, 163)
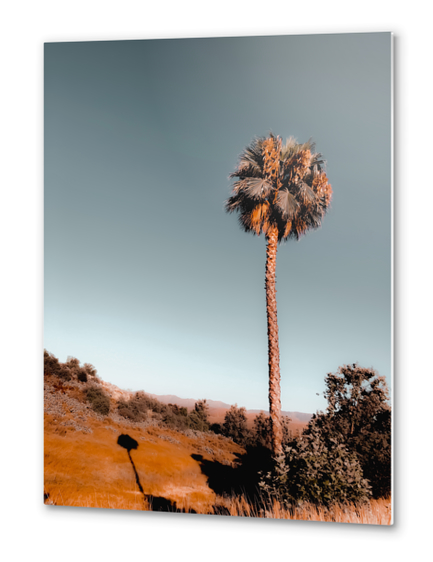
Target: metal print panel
point(186, 182)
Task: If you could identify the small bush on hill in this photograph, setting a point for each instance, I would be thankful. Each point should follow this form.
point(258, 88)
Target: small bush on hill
point(51, 363)
point(235, 425)
point(72, 362)
point(137, 407)
point(217, 428)
point(69, 370)
point(52, 366)
point(90, 370)
point(82, 375)
point(199, 416)
point(72, 365)
point(99, 401)
point(134, 409)
point(176, 417)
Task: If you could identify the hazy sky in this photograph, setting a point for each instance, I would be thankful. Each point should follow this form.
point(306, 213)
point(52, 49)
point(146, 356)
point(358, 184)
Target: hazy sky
point(147, 277)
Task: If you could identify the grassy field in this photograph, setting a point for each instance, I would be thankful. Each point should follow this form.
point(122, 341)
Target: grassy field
point(169, 470)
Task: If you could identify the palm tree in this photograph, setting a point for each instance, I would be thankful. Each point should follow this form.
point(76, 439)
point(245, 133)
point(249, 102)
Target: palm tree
point(282, 191)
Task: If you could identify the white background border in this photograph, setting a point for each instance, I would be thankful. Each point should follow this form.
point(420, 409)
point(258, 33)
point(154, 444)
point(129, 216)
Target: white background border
point(31, 529)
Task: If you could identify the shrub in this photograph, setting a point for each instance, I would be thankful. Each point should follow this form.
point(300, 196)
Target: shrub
point(359, 415)
point(52, 366)
point(70, 369)
point(217, 428)
point(90, 370)
point(199, 416)
point(318, 471)
point(261, 433)
point(72, 362)
point(135, 409)
point(51, 363)
point(99, 401)
point(235, 425)
point(127, 410)
point(176, 417)
point(345, 453)
point(178, 410)
point(82, 375)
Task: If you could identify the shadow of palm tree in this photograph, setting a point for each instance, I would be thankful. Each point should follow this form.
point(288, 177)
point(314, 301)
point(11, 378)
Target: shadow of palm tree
point(156, 503)
point(129, 443)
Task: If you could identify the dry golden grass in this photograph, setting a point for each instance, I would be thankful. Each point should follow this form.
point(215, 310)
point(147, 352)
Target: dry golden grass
point(375, 512)
point(92, 470)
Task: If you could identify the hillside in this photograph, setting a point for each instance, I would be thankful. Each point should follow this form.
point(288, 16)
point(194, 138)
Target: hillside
point(171, 464)
point(85, 466)
point(109, 448)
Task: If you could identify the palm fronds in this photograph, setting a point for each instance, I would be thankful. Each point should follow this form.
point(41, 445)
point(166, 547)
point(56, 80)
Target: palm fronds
point(281, 185)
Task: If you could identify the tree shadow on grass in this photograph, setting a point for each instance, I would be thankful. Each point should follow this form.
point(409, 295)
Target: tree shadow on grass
point(156, 503)
point(242, 479)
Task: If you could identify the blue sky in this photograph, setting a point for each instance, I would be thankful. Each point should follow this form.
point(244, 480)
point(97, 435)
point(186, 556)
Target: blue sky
point(147, 278)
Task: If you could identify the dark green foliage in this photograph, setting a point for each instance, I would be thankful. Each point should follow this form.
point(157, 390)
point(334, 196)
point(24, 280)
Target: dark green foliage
point(176, 417)
point(217, 428)
point(135, 409)
point(359, 415)
point(128, 409)
point(69, 370)
point(51, 363)
point(317, 471)
point(261, 433)
point(73, 363)
point(199, 416)
point(52, 366)
point(345, 453)
point(82, 375)
point(235, 425)
point(75, 370)
point(179, 410)
point(99, 401)
point(262, 430)
point(90, 370)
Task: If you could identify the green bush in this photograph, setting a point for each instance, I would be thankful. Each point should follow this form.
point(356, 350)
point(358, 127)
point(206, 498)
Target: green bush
point(359, 416)
point(235, 425)
point(82, 375)
point(135, 409)
point(52, 366)
point(130, 410)
point(261, 433)
point(73, 363)
point(217, 428)
point(344, 454)
point(199, 416)
point(318, 471)
point(176, 417)
point(69, 370)
point(99, 401)
point(90, 370)
point(51, 363)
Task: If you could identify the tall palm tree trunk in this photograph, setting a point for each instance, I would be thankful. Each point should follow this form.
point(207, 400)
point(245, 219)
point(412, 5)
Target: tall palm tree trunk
point(273, 347)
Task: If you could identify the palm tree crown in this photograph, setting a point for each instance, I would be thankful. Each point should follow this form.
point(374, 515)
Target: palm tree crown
point(280, 188)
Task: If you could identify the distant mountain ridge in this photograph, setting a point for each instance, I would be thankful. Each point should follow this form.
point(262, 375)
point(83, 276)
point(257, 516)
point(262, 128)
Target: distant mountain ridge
point(187, 402)
point(299, 417)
